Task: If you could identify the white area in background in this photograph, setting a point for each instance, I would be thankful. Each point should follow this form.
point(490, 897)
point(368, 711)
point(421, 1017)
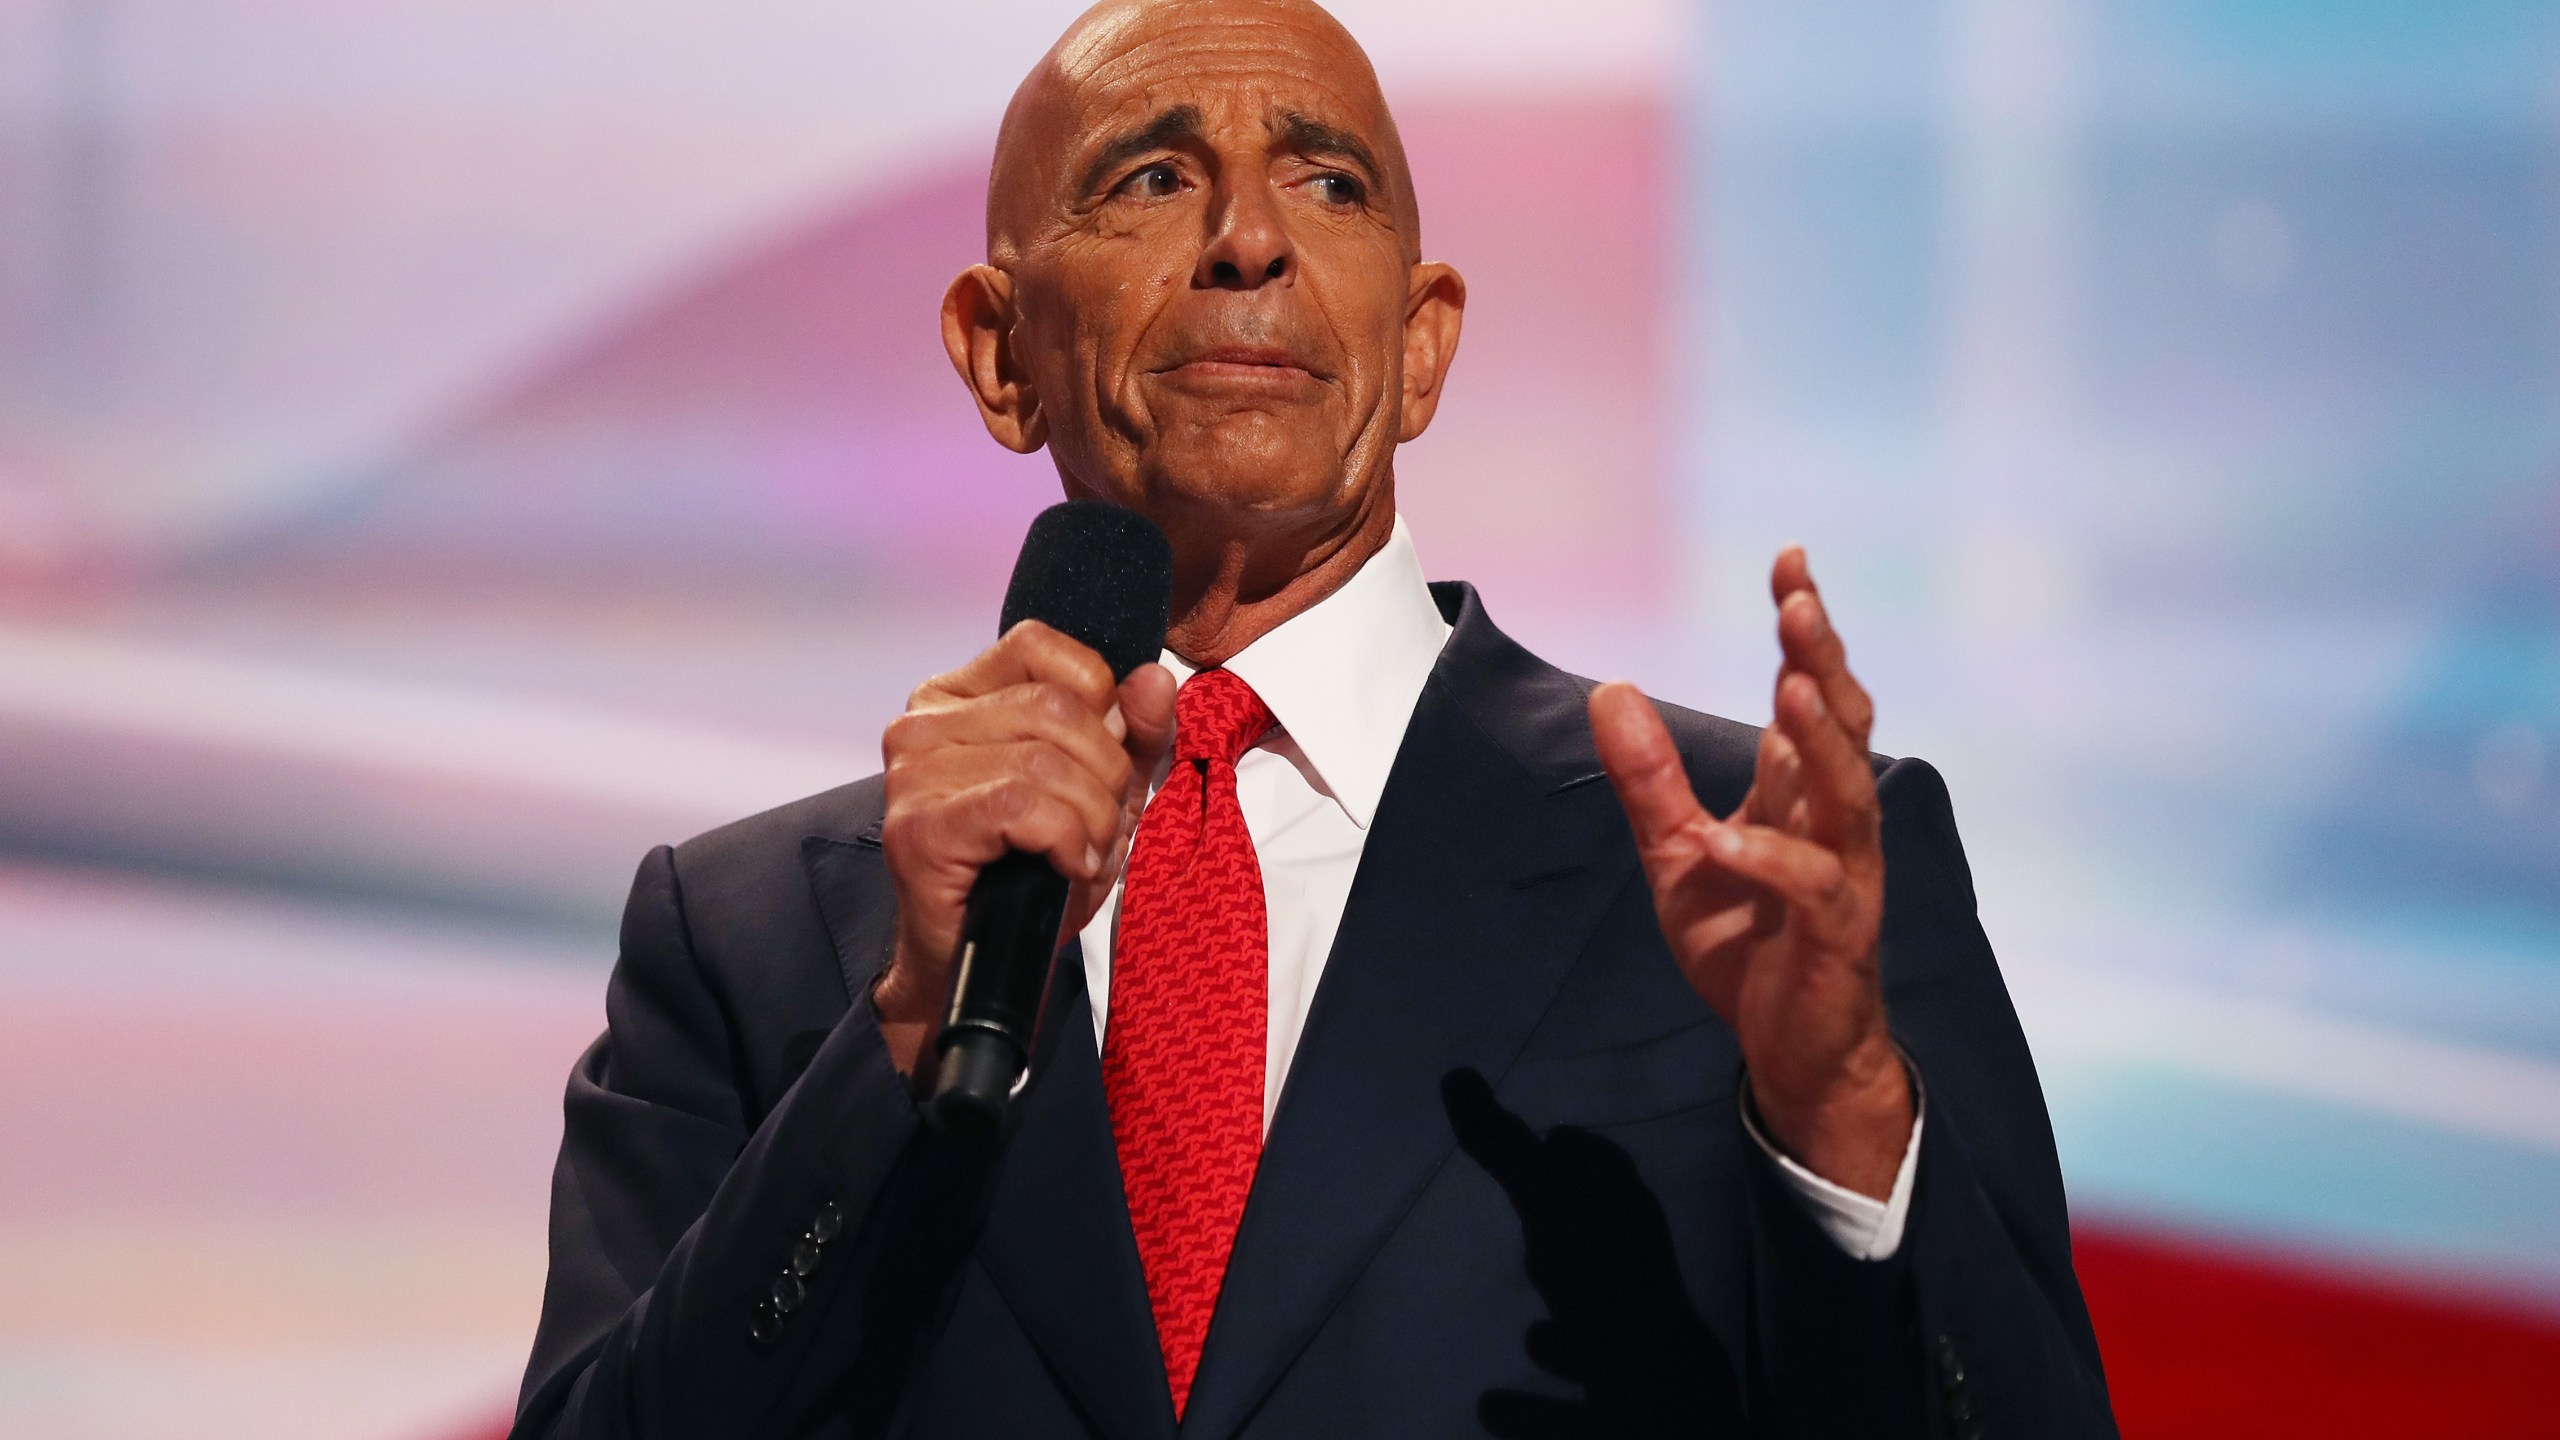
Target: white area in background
point(104, 932)
point(2091, 1014)
point(229, 765)
point(121, 692)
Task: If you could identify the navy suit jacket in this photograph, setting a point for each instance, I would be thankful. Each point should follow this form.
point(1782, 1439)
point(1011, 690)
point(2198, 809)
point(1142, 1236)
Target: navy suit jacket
point(1507, 1190)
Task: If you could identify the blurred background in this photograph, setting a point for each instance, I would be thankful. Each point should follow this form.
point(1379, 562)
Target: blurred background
point(448, 447)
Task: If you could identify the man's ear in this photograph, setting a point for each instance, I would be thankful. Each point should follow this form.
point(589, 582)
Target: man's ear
point(1435, 305)
point(977, 331)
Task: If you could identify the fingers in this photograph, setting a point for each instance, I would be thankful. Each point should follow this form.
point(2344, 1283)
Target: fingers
point(1838, 788)
point(1777, 783)
point(1030, 746)
point(966, 807)
point(1015, 812)
point(1790, 862)
point(1035, 711)
point(1809, 878)
point(1825, 714)
point(1092, 808)
point(1789, 573)
point(1644, 768)
point(1811, 645)
point(1028, 653)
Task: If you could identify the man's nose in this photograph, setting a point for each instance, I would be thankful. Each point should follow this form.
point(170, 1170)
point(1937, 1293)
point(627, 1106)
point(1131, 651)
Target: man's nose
point(1250, 247)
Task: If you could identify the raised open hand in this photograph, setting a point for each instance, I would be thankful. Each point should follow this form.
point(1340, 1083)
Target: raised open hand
point(1773, 912)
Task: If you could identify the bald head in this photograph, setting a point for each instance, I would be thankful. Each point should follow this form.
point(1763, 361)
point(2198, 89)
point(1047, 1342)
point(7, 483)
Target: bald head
point(1205, 296)
point(1120, 50)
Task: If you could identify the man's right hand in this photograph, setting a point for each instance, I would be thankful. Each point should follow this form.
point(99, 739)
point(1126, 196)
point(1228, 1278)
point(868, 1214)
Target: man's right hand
point(1027, 747)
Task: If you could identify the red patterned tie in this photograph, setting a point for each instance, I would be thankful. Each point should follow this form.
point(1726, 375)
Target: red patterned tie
point(1182, 1051)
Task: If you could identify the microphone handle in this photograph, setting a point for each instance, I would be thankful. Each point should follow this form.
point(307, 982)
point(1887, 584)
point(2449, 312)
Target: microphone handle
point(1000, 978)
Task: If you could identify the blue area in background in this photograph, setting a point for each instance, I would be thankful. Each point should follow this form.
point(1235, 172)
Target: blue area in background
point(2291, 471)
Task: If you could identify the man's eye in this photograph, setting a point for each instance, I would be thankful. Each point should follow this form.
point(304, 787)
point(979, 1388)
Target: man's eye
point(1338, 190)
point(1153, 183)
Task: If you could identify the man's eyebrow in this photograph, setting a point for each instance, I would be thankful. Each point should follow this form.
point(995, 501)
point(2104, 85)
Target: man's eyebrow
point(1314, 137)
point(1182, 122)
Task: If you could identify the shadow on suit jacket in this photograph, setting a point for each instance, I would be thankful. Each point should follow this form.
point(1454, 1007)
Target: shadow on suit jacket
point(1506, 1192)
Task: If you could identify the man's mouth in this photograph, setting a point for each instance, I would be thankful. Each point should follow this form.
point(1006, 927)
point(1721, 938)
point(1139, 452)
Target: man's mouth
point(1243, 362)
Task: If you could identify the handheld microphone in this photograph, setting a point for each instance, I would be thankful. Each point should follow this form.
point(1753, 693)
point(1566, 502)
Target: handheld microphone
point(1101, 575)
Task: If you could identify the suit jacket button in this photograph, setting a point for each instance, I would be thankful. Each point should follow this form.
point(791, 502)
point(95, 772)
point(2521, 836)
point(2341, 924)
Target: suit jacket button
point(828, 1225)
point(1950, 1364)
point(805, 1257)
point(767, 1326)
point(788, 1292)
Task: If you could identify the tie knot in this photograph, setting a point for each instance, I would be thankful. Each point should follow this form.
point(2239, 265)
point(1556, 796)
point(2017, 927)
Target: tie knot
point(1217, 717)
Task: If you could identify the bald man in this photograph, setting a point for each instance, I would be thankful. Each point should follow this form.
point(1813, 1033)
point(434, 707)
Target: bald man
point(1398, 1079)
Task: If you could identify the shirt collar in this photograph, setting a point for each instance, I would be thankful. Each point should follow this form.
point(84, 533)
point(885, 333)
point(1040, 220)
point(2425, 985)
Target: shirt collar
point(1343, 675)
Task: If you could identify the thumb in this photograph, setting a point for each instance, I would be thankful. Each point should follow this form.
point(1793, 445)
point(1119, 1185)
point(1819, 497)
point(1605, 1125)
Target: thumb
point(1146, 703)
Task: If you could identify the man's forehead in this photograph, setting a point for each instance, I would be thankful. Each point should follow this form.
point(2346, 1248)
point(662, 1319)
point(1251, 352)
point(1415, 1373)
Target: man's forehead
point(1254, 68)
point(1284, 67)
point(1116, 33)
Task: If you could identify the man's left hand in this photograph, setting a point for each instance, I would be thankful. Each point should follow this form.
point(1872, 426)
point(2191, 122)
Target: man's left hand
point(1773, 911)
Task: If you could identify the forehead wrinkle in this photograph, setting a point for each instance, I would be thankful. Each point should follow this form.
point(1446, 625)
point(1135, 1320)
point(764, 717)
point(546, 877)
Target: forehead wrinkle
point(1304, 108)
point(1350, 90)
point(1097, 31)
point(1107, 60)
point(1151, 73)
point(1148, 47)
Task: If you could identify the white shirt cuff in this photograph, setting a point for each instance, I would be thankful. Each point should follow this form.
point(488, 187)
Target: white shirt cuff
point(1865, 1227)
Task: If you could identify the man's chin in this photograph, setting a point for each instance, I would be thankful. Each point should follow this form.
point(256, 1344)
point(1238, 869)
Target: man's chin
point(1245, 482)
point(1247, 459)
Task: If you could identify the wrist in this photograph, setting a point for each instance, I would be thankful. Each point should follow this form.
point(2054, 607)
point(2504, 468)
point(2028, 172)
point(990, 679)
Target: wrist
point(1853, 1127)
point(910, 1015)
point(897, 994)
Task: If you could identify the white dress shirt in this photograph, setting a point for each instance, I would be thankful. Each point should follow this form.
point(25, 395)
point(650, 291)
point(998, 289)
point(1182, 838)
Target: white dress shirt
point(1342, 679)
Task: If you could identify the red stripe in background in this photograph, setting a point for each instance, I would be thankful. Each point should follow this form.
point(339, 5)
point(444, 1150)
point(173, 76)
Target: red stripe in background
point(2203, 1343)
point(2206, 1343)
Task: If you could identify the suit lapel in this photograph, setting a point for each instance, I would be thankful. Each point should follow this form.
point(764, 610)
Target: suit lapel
point(1491, 859)
point(1058, 1244)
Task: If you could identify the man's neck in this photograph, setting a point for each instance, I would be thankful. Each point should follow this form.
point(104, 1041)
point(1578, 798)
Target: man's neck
point(1224, 599)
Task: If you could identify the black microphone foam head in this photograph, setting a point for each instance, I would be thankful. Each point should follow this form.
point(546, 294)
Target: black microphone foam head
point(1100, 574)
